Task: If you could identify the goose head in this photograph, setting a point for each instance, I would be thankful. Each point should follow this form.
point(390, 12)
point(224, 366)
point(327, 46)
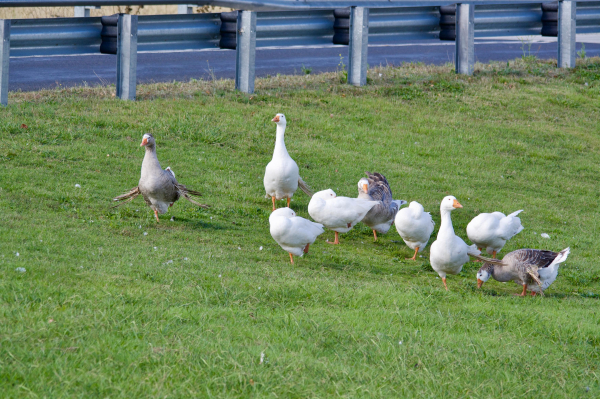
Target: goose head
point(363, 186)
point(325, 194)
point(279, 120)
point(449, 203)
point(148, 140)
point(282, 212)
point(484, 274)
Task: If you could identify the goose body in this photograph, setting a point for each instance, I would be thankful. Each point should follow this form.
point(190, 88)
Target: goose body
point(414, 226)
point(282, 176)
point(381, 216)
point(534, 269)
point(492, 230)
point(293, 233)
point(158, 187)
point(449, 252)
point(339, 214)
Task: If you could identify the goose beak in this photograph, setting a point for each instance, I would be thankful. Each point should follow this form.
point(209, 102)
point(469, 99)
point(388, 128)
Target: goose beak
point(276, 119)
point(456, 204)
point(479, 283)
point(144, 142)
point(366, 188)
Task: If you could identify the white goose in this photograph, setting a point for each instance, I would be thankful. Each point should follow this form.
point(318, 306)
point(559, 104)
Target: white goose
point(293, 233)
point(281, 175)
point(492, 230)
point(414, 226)
point(339, 214)
point(449, 252)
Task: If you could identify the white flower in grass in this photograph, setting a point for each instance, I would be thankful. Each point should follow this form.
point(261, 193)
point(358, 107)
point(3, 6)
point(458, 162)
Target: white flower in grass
point(77, 186)
point(544, 235)
point(145, 233)
point(185, 258)
point(399, 342)
point(169, 261)
point(262, 357)
point(219, 276)
point(155, 248)
point(260, 249)
point(17, 254)
point(20, 269)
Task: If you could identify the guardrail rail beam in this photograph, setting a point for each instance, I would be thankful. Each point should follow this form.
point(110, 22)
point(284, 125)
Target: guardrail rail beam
point(4, 59)
point(358, 46)
point(245, 51)
point(465, 39)
point(567, 43)
point(127, 56)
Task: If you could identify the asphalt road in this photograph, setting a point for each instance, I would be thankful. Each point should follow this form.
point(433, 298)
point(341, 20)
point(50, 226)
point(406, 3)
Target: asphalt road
point(34, 73)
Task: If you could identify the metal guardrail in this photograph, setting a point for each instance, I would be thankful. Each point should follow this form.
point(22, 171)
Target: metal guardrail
point(68, 36)
point(283, 28)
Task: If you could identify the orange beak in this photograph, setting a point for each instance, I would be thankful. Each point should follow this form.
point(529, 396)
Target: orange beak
point(276, 119)
point(456, 204)
point(144, 142)
point(479, 283)
point(366, 188)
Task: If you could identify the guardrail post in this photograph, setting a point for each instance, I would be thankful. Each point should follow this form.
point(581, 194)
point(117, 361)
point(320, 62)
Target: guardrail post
point(84, 11)
point(465, 39)
point(245, 51)
point(126, 56)
point(358, 46)
point(185, 8)
point(4, 59)
point(567, 43)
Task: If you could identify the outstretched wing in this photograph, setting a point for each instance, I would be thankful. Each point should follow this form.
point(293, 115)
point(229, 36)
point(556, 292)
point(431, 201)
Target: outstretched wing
point(187, 193)
point(127, 197)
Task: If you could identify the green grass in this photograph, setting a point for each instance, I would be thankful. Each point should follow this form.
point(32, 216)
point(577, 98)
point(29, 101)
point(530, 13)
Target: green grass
point(104, 310)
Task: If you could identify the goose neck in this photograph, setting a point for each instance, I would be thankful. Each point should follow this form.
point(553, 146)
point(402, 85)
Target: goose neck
point(150, 159)
point(280, 142)
point(446, 227)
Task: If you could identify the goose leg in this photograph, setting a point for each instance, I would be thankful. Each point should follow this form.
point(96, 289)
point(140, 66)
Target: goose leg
point(306, 248)
point(494, 255)
point(524, 291)
point(533, 293)
point(156, 216)
point(291, 258)
point(444, 281)
point(288, 202)
point(337, 239)
point(375, 235)
point(273, 199)
point(415, 255)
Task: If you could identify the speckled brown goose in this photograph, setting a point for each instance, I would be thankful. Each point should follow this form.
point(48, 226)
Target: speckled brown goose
point(381, 216)
point(159, 187)
point(534, 269)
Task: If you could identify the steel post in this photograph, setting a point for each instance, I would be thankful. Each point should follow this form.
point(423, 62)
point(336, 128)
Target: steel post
point(126, 56)
point(84, 11)
point(567, 24)
point(245, 51)
point(465, 39)
point(358, 46)
point(185, 9)
point(4, 59)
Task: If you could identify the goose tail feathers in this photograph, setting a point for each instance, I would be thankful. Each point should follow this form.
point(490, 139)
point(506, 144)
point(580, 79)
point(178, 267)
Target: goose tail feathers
point(473, 250)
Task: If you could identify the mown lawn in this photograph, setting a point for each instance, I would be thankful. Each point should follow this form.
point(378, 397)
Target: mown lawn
point(113, 304)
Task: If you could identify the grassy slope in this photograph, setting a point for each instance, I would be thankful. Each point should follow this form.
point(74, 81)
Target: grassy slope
point(186, 310)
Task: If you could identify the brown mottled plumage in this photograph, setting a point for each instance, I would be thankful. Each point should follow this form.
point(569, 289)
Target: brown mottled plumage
point(524, 267)
point(159, 187)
